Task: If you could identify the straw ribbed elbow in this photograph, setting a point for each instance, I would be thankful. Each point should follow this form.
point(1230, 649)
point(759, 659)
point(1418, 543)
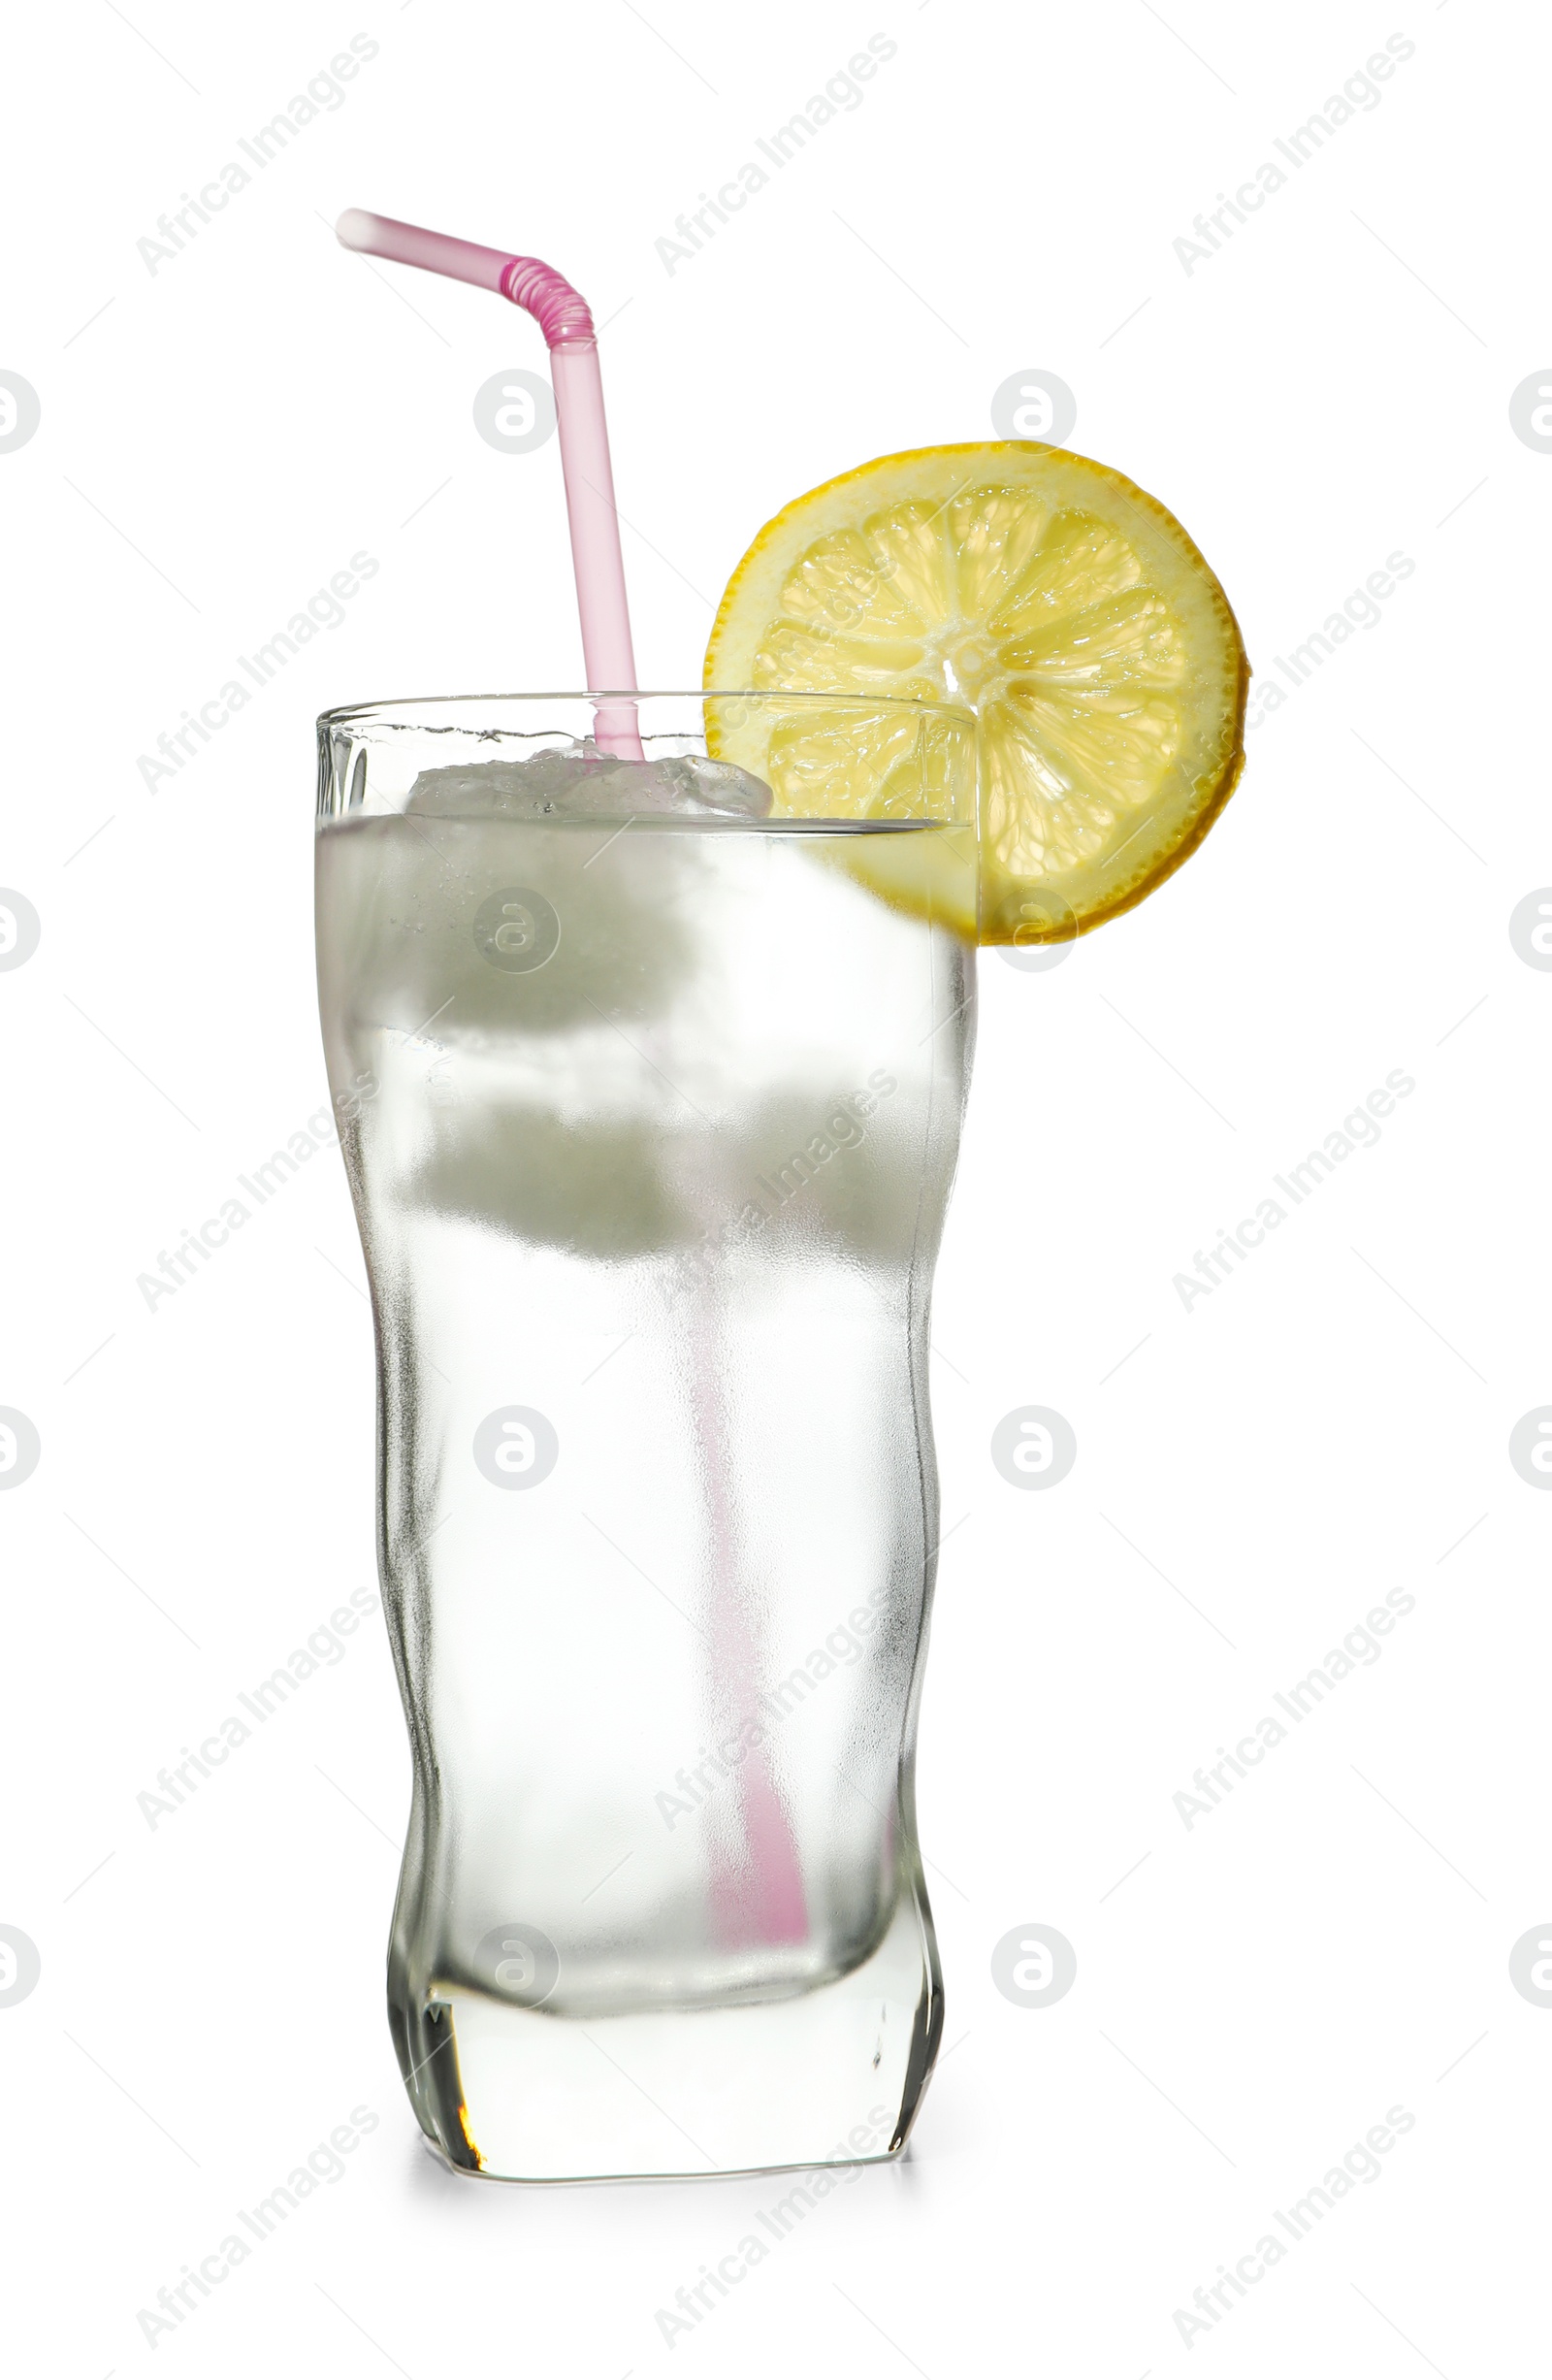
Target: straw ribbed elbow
point(555, 306)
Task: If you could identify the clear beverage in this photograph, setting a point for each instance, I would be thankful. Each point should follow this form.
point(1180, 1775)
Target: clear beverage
point(650, 1129)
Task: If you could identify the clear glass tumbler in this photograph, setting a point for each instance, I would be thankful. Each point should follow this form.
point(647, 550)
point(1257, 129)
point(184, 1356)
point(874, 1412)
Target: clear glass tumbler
point(649, 1122)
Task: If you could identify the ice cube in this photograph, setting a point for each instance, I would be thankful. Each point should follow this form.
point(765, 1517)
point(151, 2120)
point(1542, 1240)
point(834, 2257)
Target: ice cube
point(579, 781)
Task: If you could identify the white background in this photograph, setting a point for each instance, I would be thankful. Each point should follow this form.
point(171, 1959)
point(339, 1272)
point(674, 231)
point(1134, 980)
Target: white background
point(217, 438)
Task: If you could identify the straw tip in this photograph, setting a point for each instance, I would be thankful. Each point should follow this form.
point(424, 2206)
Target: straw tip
point(355, 228)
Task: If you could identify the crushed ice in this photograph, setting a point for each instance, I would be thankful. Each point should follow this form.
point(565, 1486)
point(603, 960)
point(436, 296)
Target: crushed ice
point(579, 781)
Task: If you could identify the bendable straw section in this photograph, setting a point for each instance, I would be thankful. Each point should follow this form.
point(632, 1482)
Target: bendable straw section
point(559, 310)
point(563, 315)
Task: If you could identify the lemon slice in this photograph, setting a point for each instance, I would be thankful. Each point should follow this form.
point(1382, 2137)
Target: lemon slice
point(1043, 593)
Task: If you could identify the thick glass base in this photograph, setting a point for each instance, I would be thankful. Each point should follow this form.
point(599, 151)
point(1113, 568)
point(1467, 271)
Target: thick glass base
point(831, 2076)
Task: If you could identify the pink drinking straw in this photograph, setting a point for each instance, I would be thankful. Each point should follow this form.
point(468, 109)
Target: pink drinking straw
point(567, 326)
point(757, 1895)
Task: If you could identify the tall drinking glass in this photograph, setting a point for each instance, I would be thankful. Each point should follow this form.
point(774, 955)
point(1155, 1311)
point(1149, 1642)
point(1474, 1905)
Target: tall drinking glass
point(650, 1109)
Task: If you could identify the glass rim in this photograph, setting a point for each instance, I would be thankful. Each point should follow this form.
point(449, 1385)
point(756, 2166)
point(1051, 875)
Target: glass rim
point(384, 709)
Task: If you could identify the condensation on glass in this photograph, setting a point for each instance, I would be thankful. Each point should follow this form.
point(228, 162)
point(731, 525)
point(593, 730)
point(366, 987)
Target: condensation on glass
point(650, 1116)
